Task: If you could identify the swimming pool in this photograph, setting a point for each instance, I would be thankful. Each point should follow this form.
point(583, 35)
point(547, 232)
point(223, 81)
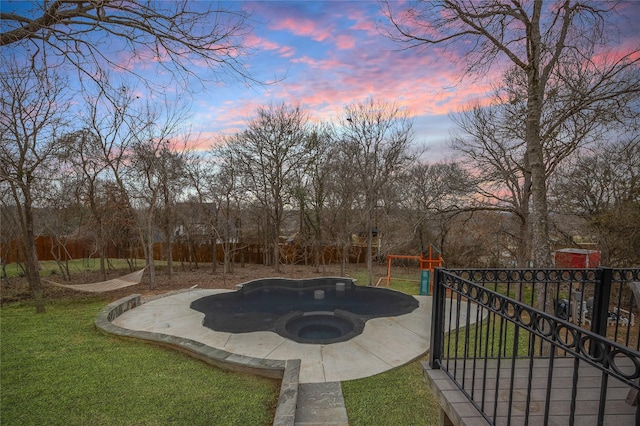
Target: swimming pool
point(315, 311)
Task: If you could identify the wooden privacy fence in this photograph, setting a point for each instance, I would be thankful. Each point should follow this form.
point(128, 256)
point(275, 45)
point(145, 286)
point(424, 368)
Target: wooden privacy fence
point(49, 248)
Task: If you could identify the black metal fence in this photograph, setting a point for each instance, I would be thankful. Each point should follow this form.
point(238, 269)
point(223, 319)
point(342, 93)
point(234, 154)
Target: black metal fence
point(525, 344)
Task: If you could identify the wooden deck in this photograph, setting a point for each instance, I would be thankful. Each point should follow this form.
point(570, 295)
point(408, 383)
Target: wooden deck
point(461, 412)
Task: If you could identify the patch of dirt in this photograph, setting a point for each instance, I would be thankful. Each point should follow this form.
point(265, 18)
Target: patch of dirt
point(17, 289)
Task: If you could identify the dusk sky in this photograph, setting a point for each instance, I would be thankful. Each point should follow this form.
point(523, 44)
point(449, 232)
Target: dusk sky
point(330, 54)
point(327, 54)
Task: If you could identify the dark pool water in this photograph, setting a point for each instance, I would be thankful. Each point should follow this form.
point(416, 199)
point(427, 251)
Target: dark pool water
point(293, 309)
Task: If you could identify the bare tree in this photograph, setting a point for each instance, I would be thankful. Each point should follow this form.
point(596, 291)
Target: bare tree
point(376, 138)
point(180, 36)
point(121, 230)
point(172, 177)
point(98, 152)
point(64, 214)
point(602, 186)
point(155, 169)
point(197, 221)
point(88, 163)
point(33, 118)
point(431, 193)
point(493, 140)
point(311, 192)
point(269, 152)
point(342, 200)
point(224, 187)
point(539, 40)
point(9, 231)
point(490, 142)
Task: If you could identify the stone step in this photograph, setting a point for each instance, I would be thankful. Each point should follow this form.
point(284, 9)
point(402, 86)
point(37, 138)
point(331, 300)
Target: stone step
point(321, 404)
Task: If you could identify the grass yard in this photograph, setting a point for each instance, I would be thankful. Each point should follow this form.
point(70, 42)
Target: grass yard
point(489, 338)
point(395, 397)
point(407, 281)
point(56, 369)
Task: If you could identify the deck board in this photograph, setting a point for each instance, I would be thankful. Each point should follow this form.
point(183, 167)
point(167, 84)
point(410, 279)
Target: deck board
point(497, 387)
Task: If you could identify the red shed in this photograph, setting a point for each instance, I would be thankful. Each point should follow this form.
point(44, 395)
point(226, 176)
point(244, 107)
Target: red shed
point(577, 258)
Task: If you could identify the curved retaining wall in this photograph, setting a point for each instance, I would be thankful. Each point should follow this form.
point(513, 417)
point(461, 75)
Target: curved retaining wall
point(288, 371)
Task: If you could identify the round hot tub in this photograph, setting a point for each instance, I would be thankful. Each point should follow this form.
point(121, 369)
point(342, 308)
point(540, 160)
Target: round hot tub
point(323, 327)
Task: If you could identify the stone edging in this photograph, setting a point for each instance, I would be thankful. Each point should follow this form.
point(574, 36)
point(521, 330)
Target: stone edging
point(288, 371)
point(288, 399)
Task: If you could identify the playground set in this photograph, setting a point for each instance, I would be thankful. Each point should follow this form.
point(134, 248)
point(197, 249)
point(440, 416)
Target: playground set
point(428, 262)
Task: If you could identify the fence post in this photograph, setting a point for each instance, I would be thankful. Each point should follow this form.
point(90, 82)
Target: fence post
point(601, 301)
point(437, 320)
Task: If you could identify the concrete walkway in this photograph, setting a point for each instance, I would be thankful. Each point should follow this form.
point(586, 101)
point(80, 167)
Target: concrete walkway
point(321, 404)
point(385, 343)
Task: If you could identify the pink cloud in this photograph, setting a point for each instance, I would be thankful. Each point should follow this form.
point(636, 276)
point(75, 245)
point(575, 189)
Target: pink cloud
point(320, 64)
point(412, 81)
point(143, 60)
point(258, 42)
point(286, 51)
point(345, 42)
point(362, 22)
point(302, 27)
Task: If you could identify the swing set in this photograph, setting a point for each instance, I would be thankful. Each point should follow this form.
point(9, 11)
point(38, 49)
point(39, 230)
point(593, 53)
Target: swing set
point(428, 262)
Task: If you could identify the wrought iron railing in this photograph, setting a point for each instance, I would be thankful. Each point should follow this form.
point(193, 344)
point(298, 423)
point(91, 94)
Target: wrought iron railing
point(507, 337)
point(599, 299)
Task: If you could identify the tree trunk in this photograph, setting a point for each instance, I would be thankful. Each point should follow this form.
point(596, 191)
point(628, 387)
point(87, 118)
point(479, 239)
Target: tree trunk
point(100, 242)
point(276, 255)
point(33, 273)
point(148, 251)
point(535, 157)
point(523, 255)
point(370, 247)
point(534, 152)
point(103, 270)
point(31, 255)
point(169, 255)
point(539, 217)
point(345, 256)
point(151, 264)
point(316, 256)
point(227, 264)
point(194, 251)
point(214, 255)
point(369, 256)
point(168, 231)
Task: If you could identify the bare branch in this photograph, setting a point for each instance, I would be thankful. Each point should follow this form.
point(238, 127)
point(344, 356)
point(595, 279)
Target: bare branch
point(181, 36)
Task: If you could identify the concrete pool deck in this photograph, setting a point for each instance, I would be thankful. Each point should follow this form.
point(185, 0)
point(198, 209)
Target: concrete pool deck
point(385, 343)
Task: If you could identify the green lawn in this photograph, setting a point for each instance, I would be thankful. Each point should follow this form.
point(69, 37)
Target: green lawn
point(57, 369)
point(396, 397)
point(487, 338)
point(407, 282)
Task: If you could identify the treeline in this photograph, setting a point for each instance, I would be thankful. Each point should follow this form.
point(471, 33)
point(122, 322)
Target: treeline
point(92, 149)
point(126, 179)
